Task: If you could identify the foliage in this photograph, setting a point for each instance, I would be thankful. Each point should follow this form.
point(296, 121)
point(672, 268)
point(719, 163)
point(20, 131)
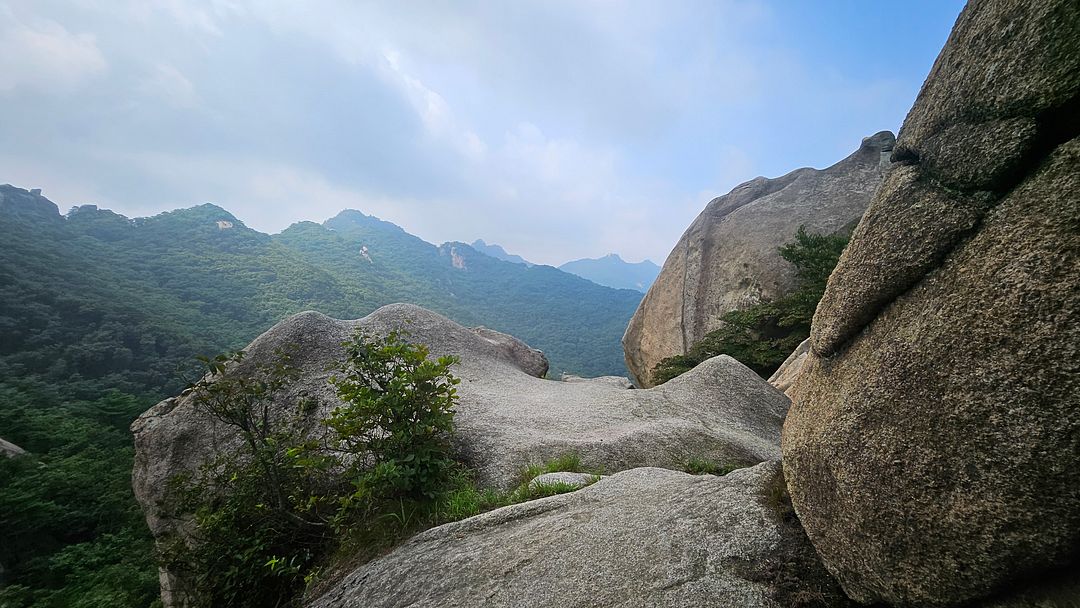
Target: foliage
point(374, 470)
point(397, 415)
point(763, 335)
point(71, 533)
point(261, 514)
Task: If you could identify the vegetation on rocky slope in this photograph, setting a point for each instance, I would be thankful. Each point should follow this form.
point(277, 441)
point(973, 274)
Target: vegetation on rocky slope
point(274, 517)
point(100, 313)
point(763, 335)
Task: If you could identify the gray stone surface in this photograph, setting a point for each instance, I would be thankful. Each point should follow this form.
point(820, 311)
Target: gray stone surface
point(787, 374)
point(616, 381)
point(507, 416)
point(642, 537)
point(933, 448)
point(727, 259)
point(10, 449)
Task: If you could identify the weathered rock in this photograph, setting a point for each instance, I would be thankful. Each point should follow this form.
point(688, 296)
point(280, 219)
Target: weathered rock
point(787, 374)
point(562, 478)
point(727, 259)
point(933, 449)
point(616, 381)
point(643, 537)
point(529, 360)
point(507, 417)
point(10, 449)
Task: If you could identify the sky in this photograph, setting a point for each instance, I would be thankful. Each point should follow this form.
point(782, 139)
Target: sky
point(558, 130)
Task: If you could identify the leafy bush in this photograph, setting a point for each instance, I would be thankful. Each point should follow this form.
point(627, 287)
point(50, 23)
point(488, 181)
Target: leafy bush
point(304, 495)
point(397, 416)
point(262, 513)
point(763, 335)
point(269, 516)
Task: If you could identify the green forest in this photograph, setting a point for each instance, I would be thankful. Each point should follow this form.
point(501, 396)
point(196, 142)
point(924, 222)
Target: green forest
point(100, 315)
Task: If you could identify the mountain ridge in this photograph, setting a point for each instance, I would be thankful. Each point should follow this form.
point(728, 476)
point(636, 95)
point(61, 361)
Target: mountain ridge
point(497, 252)
point(612, 271)
point(244, 280)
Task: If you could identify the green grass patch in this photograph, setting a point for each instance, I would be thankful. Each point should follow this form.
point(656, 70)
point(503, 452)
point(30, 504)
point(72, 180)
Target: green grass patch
point(702, 466)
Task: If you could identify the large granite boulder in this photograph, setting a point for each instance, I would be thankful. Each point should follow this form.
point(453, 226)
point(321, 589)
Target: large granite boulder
point(507, 418)
point(642, 537)
point(933, 449)
point(727, 259)
point(786, 376)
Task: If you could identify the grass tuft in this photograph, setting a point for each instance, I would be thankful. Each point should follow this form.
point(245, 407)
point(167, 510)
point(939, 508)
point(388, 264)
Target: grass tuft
point(701, 466)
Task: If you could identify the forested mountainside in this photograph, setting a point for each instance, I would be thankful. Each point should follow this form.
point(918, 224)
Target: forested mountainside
point(99, 313)
point(106, 293)
point(497, 252)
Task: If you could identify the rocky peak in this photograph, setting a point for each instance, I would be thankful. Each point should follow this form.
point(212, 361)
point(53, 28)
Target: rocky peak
point(727, 259)
point(27, 204)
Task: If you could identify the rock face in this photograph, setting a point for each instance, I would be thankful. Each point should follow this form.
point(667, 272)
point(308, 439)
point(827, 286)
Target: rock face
point(933, 450)
point(10, 449)
point(785, 377)
point(643, 537)
point(507, 416)
point(727, 259)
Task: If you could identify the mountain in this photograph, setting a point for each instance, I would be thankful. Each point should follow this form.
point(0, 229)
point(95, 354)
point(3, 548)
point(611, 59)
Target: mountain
point(498, 252)
point(612, 271)
point(215, 284)
point(100, 316)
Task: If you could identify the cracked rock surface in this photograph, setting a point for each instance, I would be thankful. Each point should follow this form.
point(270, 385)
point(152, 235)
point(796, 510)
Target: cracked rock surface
point(643, 537)
point(933, 448)
point(727, 259)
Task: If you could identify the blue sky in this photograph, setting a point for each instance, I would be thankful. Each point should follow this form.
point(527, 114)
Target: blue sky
point(557, 129)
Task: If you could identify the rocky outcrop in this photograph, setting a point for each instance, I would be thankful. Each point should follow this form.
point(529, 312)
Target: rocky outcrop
point(507, 416)
point(10, 449)
point(727, 259)
point(642, 537)
point(933, 450)
point(785, 377)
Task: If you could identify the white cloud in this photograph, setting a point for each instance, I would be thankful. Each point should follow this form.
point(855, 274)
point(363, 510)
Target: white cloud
point(43, 56)
point(433, 110)
point(166, 84)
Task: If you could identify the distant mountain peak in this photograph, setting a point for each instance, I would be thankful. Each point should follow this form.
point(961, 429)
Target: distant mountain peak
point(27, 203)
point(497, 252)
point(612, 271)
point(351, 217)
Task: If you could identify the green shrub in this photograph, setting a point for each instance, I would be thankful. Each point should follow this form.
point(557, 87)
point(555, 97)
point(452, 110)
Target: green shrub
point(269, 516)
point(763, 335)
point(397, 416)
point(261, 513)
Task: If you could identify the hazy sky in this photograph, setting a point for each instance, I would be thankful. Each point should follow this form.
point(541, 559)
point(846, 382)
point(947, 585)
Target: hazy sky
point(556, 129)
